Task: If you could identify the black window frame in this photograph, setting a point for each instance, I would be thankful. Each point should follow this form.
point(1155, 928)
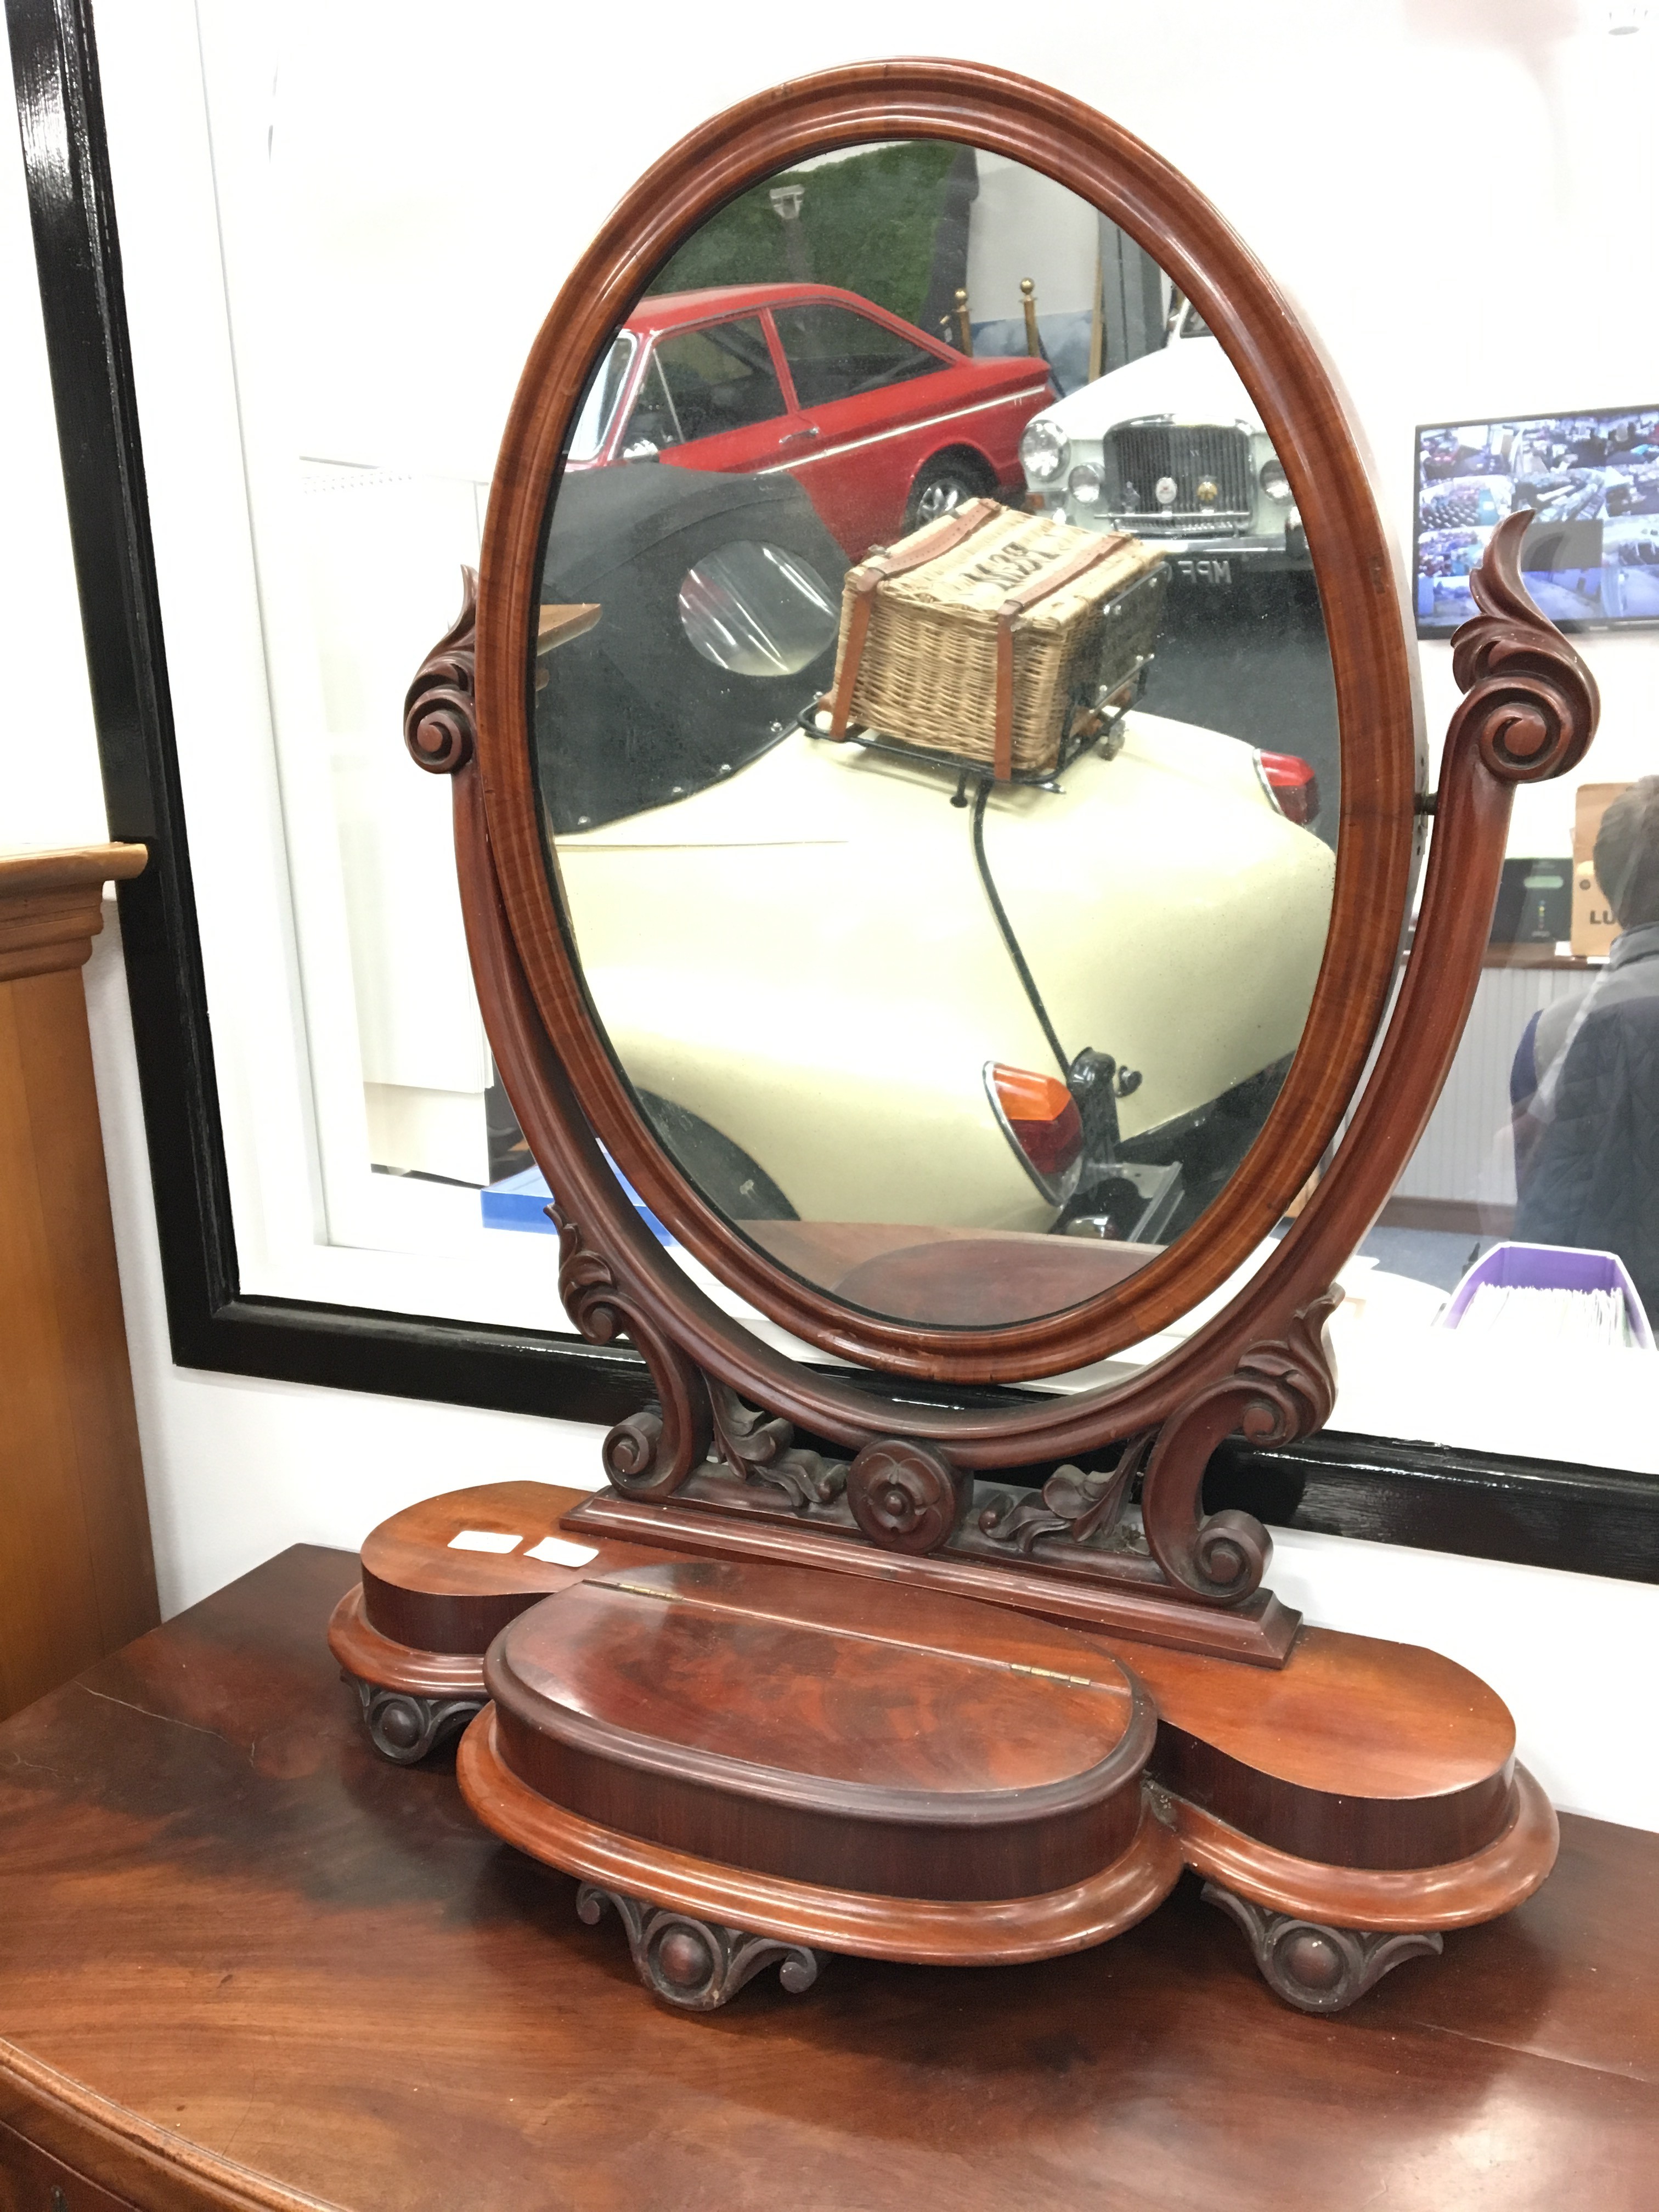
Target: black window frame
point(1547, 1513)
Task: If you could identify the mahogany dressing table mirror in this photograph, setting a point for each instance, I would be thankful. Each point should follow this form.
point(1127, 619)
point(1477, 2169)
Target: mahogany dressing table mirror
point(845, 863)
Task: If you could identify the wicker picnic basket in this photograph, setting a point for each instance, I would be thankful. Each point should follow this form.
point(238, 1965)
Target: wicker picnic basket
point(994, 636)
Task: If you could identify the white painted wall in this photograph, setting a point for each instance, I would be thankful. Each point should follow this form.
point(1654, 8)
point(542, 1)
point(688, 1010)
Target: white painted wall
point(1443, 283)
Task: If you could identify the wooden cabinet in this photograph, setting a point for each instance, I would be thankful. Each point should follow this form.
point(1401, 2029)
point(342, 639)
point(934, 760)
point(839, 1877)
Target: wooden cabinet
point(77, 1575)
point(30, 2181)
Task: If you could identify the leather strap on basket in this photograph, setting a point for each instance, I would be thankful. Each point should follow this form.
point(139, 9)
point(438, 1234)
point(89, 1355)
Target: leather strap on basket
point(1021, 602)
point(912, 552)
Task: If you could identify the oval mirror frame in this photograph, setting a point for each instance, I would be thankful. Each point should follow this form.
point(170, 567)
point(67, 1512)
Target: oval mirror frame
point(1381, 749)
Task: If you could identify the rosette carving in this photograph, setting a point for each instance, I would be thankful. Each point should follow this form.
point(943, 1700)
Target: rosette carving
point(1531, 705)
point(1316, 1968)
point(439, 726)
point(761, 1447)
point(1280, 1390)
point(906, 1497)
point(402, 1726)
point(696, 1965)
point(650, 1453)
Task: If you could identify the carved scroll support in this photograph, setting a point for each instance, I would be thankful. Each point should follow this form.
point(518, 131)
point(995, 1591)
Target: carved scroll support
point(1313, 1967)
point(1281, 1390)
point(650, 1454)
point(696, 1965)
point(439, 720)
point(1530, 712)
point(1530, 705)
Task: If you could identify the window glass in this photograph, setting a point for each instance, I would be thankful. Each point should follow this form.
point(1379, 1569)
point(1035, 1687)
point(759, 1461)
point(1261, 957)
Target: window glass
point(1516, 1262)
point(599, 401)
point(758, 610)
point(654, 422)
point(719, 378)
point(835, 354)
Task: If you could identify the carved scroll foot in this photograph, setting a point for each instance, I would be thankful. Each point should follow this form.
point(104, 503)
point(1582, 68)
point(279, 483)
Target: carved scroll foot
point(1315, 1968)
point(696, 1964)
point(403, 1727)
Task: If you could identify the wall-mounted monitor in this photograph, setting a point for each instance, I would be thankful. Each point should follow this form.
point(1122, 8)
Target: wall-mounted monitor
point(1590, 560)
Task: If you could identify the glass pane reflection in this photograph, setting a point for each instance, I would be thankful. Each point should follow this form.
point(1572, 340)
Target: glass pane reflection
point(757, 610)
point(956, 948)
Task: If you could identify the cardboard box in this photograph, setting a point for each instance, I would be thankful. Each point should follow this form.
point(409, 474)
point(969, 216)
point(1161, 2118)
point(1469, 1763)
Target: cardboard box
point(1594, 924)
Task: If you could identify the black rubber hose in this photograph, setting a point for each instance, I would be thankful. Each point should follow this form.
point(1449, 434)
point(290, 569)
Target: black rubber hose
point(1007, 929)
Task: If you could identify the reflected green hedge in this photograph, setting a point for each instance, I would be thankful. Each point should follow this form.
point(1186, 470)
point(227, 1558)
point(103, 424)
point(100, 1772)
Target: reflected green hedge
point(867, 223)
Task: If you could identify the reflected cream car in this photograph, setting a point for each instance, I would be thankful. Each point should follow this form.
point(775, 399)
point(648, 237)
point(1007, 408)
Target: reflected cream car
point(1170, 447)
point(808, 954)
point(801, 959)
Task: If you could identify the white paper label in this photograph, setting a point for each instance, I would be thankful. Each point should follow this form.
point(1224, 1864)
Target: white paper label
point(483, 1540)
point(559, 1553)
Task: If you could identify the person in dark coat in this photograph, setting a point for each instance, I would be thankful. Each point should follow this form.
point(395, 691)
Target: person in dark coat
point(1585, 1083)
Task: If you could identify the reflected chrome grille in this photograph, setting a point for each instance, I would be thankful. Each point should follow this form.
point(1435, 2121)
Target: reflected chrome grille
point(1141, 454)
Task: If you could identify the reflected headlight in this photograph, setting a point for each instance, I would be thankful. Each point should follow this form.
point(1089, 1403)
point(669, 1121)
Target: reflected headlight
point(1273, 479)
point(1042, 450)
point(1087, 484)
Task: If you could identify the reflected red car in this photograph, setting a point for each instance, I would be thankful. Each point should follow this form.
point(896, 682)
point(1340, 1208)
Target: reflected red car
point(882, 426)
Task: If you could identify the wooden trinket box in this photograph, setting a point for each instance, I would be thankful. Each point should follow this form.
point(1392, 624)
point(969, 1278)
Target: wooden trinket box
point(994, 636)
point(770, 1749)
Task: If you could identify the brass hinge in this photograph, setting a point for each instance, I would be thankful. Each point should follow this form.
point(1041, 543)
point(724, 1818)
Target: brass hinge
point(1047, 1674)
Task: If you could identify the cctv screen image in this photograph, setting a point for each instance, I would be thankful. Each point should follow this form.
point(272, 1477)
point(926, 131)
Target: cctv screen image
point(1592, 480)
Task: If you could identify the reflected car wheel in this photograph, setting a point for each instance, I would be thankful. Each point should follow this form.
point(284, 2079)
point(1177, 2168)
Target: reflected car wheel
point(943, 486)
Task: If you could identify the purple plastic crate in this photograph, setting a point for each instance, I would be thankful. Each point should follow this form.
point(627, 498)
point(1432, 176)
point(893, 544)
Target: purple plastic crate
point(1551, 1267)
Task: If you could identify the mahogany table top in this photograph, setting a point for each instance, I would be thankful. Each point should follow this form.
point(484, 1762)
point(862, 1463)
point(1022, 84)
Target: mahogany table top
point(244, 1963)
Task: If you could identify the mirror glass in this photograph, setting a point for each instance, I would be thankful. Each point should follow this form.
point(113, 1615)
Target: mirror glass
point(935, 734)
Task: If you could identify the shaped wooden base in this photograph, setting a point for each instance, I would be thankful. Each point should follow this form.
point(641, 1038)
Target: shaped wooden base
point(917, 1931)
point(1318, 1964)
point(733, 1755)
